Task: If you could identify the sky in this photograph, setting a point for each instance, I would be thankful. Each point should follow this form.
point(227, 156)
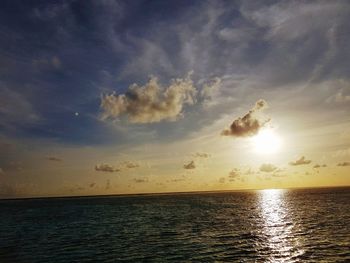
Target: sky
point(121, 97)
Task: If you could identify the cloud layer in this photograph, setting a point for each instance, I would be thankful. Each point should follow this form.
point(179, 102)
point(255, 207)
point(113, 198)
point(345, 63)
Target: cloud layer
point(249, 124)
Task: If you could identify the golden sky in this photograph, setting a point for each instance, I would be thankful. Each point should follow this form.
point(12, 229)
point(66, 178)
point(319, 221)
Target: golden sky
point(199, 96)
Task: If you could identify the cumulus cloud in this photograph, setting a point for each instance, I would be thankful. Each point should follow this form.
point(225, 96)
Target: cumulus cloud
point(267, 168)
point(300, 161)
point(106, 168)
point(320, 166)
point(201, 155)
point(53, 158)
point(190, 165)
point(150, 103)
point(249, 124)
point(344, 164)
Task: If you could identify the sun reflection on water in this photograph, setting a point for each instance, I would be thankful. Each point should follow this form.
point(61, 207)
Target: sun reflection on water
point(278, 226)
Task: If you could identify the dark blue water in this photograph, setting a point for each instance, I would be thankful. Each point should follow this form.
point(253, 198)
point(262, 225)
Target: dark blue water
point(261, 226)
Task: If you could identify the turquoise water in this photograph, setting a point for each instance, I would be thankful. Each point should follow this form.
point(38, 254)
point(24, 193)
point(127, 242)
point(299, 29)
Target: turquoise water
point(260, 226)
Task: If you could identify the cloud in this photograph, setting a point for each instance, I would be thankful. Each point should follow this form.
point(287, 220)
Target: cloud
point(344, 164)
point(249, 124)
point(190, 165)
point(53, 158)
point(13, 166)
point(15, 109)
point(150, 103)
point(177, 180)
point(92, 185)
point(141, 180)
point(222, 180)
point(234, 175)
point(130, 165)
point(340, 97)
point(201, 155)
point(108, 184)
point(268, 168)
point(47, 63)
point(300, 161)
point(1, 171)
point(319, 166)
point(106, 168)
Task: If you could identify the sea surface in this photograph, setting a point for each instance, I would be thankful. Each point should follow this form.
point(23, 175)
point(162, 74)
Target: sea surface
point(310, 225)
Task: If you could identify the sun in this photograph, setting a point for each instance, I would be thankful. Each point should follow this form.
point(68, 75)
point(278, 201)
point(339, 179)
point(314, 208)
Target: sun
point(266, 142)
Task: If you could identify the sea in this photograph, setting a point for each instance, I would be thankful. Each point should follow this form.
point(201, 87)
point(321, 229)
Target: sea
point(305, 225)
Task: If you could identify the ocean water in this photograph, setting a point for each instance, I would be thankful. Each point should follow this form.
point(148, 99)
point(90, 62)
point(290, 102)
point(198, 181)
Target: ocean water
point(259, 226)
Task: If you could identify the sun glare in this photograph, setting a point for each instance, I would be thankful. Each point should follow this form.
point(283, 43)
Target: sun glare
point(266, 142)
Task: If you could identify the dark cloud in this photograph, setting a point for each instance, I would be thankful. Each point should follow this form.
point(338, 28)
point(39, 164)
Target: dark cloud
point(301, 161)
point(222, 180)
point(53, 158)
point(92, 185)
point(268, 168)
point(150, 103)
point(190, 165)
point(249, 124)
point(319, 166)
point(106, 168)
point(344, 164)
